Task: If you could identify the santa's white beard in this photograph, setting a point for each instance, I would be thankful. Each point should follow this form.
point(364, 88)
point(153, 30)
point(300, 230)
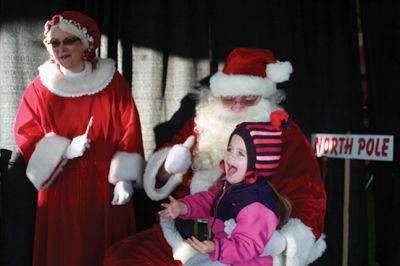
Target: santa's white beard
point(214, 123)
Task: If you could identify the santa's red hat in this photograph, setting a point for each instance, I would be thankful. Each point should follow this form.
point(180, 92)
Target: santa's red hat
point(250, 71)
point(79, 25)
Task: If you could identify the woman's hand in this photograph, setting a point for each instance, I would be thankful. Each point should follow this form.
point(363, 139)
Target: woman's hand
point(172, 209)
point(77, 147)
point(123, 192)
point(204, 247)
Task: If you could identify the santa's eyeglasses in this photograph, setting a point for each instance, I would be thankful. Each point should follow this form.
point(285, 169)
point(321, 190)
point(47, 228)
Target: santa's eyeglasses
point(229, 101)
point(67, 41)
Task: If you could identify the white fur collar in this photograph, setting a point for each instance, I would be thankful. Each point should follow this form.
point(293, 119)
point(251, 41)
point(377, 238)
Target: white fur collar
point(60, 85)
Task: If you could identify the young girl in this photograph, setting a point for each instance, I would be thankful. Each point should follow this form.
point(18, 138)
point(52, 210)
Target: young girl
point(243, 194)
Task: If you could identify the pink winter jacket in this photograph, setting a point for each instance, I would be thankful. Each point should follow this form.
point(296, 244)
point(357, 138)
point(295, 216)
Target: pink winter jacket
point(255, 224)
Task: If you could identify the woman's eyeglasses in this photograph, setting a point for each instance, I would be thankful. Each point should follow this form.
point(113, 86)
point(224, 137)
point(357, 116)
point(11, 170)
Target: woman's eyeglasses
point(67, 42)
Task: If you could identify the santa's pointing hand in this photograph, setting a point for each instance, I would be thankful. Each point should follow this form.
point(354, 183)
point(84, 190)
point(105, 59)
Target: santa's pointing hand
point(179, 157)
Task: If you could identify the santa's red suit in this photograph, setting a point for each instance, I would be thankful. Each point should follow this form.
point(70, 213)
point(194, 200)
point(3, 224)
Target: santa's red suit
point(298, 176)
point(75, 220)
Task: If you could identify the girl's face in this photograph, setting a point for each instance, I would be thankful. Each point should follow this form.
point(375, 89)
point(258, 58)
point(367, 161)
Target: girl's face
point(67, 50)
point(236, 160)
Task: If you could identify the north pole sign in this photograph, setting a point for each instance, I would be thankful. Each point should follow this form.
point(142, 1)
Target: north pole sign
point(351, 146)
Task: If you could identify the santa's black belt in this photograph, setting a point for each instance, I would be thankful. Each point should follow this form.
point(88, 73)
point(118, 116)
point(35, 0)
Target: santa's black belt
point(197, 228)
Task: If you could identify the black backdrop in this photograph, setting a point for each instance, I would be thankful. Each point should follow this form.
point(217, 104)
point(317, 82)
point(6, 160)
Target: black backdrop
point(381, 26)
point(320, 38)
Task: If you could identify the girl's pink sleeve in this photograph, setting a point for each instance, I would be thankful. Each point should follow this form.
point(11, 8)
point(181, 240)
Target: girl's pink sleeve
point(255, 226)
point(199, 204)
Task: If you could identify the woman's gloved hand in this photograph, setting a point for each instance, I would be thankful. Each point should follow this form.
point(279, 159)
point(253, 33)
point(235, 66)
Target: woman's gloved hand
point(123, 192)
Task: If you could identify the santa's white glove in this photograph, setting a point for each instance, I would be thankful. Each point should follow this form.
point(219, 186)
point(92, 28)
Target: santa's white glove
point(77, 147)
point(123, 192)
point(229, 225)
point(179, 157)
point(276, 245)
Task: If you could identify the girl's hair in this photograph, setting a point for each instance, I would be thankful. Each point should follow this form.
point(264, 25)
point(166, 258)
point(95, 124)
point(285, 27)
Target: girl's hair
point(284, 207)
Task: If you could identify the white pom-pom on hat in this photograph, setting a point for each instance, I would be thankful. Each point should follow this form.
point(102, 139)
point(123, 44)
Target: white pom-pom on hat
point(279, 71)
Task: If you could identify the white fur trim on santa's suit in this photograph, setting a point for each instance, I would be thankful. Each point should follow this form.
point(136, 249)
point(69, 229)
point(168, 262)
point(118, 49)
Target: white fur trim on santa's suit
point(79, 86)
point(301, 247)
point(203, 260)
point(126, 167)
point(180, 249)
point(46, 161)
point(154, 164)
point(319, 248)
point(222, 84)
point(236, 85)
point(201, 181)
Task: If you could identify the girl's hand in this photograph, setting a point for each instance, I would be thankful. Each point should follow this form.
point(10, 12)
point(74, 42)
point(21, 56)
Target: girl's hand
point(204, 247)
point(172, 209)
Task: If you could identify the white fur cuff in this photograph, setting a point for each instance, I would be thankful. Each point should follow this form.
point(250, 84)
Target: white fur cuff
point(301, 248)
point(181, 250)
point(45, 159)
point(318, 249)
point(126, 166)
point(154, 164)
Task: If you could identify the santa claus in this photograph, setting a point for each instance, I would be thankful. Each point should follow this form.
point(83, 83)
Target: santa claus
point(244, 91)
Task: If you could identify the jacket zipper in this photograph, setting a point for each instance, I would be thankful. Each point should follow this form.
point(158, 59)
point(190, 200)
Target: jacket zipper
point(224, 190)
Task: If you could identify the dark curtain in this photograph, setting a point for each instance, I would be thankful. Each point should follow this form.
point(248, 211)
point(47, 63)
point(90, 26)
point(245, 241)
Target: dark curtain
point(319, 38)
point(18, 213)
point(163, 47)
point(381, 29)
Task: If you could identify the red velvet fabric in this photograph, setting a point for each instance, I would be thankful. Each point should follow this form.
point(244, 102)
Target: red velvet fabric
point(145, 248)
point(299, 178)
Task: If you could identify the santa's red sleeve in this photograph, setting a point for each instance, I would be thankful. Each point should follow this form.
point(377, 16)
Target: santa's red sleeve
point(41, 151)
point(128, 161)
point(299, 179)
point(157, 159)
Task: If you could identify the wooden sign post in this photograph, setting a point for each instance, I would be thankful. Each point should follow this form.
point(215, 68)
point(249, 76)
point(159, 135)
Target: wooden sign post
point(346, 207)
point(348, 146)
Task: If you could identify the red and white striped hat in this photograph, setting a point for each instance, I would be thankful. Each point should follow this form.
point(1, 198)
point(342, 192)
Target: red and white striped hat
point(263, 142)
